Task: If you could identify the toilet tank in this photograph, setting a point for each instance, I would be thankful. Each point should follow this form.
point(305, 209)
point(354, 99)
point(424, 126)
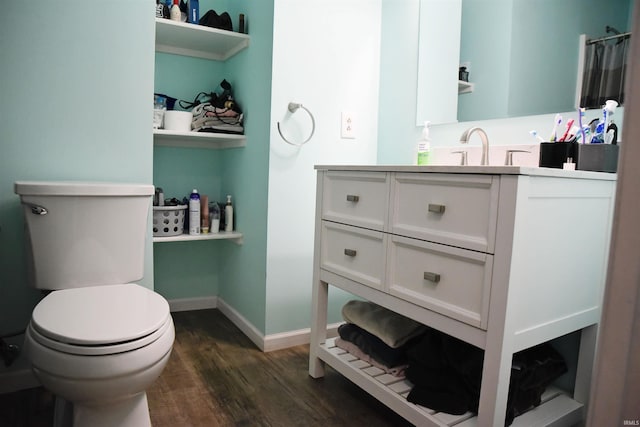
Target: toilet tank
point(84, 233)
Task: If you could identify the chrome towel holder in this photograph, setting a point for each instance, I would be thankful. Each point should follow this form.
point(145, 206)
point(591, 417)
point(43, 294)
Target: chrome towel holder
point(293, 107)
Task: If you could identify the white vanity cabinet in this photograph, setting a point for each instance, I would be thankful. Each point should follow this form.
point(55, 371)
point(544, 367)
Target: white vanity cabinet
point(503, 258)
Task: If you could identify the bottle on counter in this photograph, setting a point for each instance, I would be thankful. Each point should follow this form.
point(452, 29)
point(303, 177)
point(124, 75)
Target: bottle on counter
point(174, 13)
point(424, 146)
point(228, 215)
point(204, 214)
point(194, 213)
point(214, 218)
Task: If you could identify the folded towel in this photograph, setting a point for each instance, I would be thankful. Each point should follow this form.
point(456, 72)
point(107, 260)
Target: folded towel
point(392, 328)
point(372, 345)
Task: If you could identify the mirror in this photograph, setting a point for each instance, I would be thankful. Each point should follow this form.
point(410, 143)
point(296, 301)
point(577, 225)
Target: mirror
point(522, 56)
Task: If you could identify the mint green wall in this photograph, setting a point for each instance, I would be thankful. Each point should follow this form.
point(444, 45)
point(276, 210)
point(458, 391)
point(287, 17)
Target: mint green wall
point(76, 87)
point(245, 171)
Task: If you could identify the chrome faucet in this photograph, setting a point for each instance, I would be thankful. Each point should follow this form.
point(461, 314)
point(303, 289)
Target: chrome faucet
point(464, 139)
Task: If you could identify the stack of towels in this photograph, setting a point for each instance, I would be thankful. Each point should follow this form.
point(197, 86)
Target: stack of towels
point(446, 372)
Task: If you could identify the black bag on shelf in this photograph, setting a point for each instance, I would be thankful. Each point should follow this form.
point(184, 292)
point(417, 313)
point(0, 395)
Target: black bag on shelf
point(221, 22)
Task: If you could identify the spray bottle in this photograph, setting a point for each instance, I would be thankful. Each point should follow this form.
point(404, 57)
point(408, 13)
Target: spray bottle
point(424, 146)
point(194, 213)
point(228, 215)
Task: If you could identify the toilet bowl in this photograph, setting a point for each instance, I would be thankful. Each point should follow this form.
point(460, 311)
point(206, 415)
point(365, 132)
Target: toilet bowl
point(100, 348)
point(98, 340)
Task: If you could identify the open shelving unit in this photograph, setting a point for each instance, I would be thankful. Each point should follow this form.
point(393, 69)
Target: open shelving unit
point(234, 236)
point(198, 41)
point(210, 140)
point(393, 392)
point(185, 39)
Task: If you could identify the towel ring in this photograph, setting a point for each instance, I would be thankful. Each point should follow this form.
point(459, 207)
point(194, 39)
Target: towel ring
point(293, 107)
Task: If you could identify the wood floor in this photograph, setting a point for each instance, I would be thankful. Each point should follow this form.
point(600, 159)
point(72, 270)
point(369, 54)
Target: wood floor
point(217, 377)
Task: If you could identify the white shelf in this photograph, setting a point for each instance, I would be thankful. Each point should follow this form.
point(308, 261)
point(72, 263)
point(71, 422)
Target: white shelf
point(556, 407)
point(197, 40)
point(214, 141)
point(234, 236)
point(464, 87)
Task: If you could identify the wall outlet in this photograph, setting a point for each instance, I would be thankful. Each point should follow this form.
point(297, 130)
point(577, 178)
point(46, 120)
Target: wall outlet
point(347, 129)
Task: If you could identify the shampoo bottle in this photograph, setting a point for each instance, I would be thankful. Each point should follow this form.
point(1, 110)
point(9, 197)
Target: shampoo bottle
point(204, 214)
point(424, 146)
point(228, 215)
point(194, 213)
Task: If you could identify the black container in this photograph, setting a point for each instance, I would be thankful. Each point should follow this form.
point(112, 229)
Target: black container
point(587, 157)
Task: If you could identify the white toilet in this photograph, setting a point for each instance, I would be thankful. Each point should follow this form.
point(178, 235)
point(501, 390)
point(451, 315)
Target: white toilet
point(98, 341)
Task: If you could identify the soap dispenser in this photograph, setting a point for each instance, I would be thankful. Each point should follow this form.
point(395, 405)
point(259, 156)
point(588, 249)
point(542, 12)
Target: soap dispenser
point(424, 146)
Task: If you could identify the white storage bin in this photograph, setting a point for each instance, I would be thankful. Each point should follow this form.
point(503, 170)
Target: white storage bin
point(168, 220)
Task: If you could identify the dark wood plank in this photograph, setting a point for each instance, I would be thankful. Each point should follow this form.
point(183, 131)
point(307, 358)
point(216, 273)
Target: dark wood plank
point(217, 377)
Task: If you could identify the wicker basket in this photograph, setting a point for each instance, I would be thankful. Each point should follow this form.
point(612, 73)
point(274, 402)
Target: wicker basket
point(168, 220)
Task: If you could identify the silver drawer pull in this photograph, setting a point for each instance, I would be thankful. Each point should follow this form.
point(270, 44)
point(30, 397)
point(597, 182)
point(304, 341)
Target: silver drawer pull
point(432, 277)
point(350, 252)
point(352, 198)
point(436, 208)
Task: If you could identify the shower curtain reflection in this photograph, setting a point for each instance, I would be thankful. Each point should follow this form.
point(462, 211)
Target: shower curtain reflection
point(604, 70)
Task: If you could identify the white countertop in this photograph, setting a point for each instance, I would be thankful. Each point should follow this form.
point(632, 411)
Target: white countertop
point(487, 170)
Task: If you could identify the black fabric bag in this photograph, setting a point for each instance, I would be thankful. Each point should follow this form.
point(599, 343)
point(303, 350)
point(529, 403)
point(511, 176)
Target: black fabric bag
point(212, 19)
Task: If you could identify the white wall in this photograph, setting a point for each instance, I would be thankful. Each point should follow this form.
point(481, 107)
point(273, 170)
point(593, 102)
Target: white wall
point(325, 56)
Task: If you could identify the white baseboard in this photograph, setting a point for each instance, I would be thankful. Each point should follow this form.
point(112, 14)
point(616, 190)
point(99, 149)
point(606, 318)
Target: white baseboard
point(293, 338)
point(266, 343)
point(188, 304)
point(270, 342)
point(243, 324)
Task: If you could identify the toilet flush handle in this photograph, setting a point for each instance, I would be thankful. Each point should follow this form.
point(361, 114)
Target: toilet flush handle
point(38, 210)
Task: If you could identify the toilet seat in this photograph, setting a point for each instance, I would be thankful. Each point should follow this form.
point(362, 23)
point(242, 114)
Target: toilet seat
point(100, 320)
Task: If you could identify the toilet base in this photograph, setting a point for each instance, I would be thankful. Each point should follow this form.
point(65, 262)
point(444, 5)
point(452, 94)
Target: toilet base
point(130, 412)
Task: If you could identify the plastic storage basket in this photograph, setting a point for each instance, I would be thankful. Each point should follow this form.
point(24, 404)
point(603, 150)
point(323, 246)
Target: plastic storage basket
point(168, 220)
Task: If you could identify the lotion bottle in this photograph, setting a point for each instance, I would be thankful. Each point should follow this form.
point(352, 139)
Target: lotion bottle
point(194, 213)
point(204, 214)
point(424, 146)
point(174, 12)
point(228, 215)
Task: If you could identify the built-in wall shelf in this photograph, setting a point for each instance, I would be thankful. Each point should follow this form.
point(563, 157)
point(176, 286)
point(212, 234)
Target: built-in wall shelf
point(214, 141)
point(234, 236)
point(464, 87)
point(198, 41)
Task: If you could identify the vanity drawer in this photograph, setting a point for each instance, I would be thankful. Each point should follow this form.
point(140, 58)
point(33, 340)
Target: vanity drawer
point(451, 281)
point(457, 210)
point(356, 198)
point(355, 253)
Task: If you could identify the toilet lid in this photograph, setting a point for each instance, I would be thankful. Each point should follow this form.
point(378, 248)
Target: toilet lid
point(100, 315)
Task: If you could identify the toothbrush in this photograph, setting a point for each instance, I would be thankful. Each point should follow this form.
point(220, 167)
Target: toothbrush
point(535, 135)
point(556, 122)
point(580, 116)
point(572, 134)
point(566, 132)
